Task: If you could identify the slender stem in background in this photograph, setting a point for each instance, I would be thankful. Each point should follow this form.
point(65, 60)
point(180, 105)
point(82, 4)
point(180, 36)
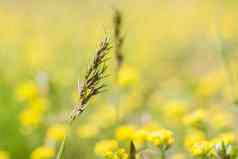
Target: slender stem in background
point(119, 39)
point(162, 154)
point(62, 144)
point(117, 95)
point(61, 149)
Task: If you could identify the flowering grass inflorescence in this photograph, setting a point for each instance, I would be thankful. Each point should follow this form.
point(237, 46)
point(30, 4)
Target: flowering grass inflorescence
point(91, 84)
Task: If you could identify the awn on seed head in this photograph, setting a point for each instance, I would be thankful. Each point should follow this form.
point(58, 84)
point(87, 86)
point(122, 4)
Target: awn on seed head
point(92, 84)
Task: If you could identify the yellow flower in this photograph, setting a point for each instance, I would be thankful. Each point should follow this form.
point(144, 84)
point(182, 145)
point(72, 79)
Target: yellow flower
point(192, 137)
point(195, 119)
point(210, 84)
point(39, 104)
point(221, 119)
point(56, 132)
point(201, 148)
point(105, 147)
point(30, 118)
point(162, 139)
point(4, 154)
point(140, 137)
point(174, 110)
point(26, 91)
point(120, 154)
point(127, 76)
point(125, 132)
point(223, 145)
point(226, 138)
point(88, 131)
point(43, 152)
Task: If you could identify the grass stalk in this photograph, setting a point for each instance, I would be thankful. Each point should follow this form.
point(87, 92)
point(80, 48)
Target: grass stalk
point(89, 87)
point(119, 39)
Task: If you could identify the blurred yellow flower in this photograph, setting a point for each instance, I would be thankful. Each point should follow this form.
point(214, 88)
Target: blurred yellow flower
point(162, 139)
point(105, 147)
point(201, 148)
point(125, 132)
point(26, 91)
point(221, 119)
point(210, 84)
point(120, 154)
point(4, 154)
point(56, 132)
point(38, 104)
point(140, 137)
point(226, 138)
point(174, 110)
point(195, 119)
point(30, 117)
point(192, 137)
point(127, 76)
point(43, 152)
point(88, 131)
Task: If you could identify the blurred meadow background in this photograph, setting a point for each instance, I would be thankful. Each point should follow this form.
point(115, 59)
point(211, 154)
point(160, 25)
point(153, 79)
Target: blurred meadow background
point(178, 78)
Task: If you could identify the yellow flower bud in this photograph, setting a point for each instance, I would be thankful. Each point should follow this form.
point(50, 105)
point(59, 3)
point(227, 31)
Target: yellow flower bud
point(201, 148)
point(162, 138)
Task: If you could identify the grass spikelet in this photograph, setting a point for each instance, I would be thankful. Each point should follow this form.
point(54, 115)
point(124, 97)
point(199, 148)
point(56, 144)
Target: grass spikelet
point(118, 40)
point(118, 37)
point(91, 85)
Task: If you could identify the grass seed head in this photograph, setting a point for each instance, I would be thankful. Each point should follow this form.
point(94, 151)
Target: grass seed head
point(119, 39)
point(92, 84)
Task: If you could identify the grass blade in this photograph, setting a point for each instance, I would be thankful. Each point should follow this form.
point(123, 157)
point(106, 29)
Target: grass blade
point(61, 150)
point(132, 150)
